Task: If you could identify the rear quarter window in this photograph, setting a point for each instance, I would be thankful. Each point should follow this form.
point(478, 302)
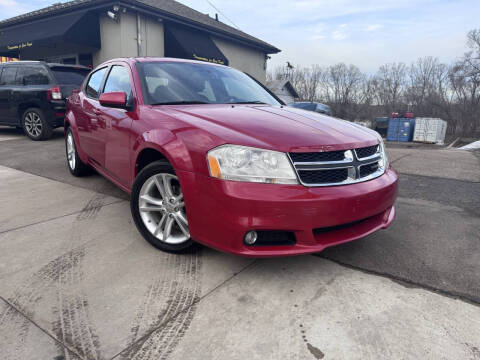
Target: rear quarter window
point(66, 76)
point(33, 75)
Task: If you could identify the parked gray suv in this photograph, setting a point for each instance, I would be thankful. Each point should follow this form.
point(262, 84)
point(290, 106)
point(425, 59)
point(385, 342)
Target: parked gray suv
point(33, 94)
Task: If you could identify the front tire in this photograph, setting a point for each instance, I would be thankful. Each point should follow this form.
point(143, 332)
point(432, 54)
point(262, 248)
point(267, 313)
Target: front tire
point(35, 125)
point(76, 166)
point(158, 209)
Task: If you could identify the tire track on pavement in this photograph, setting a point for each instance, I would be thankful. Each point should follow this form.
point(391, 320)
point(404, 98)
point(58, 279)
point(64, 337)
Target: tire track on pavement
point(169, 307)
point(59, 280)
point(93, 207)
point(30, 293)
point(73, 325)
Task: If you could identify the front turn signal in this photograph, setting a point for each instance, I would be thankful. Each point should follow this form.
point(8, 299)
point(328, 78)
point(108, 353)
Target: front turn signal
point(214, 167)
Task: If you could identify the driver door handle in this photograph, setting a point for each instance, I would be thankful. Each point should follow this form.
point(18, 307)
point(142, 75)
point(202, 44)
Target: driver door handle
point(97, 112)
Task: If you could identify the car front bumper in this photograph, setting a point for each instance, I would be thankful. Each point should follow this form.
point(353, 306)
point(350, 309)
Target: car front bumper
point(220, 213)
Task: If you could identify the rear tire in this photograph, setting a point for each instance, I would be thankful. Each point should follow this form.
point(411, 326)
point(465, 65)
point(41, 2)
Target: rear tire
point(35, 125)
point(161, 219)
point(76, 166)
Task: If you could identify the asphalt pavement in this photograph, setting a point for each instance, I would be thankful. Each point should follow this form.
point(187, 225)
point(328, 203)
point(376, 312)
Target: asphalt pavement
point(78, 282)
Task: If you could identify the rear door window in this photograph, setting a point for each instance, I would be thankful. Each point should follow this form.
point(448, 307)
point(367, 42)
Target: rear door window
point(33, 75)
point(95, 83)
point(9, 76)
point(69, 76)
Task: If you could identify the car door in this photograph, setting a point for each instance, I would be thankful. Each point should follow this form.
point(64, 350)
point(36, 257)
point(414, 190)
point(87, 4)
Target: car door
point(118, 124)
point(8, 112)
point(91, 128)
point(33, 81)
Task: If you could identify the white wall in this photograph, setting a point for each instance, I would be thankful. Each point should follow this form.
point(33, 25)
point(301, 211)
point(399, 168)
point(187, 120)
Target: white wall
point(287, 99)
point(284, 94)
point(243, 58)
point(119, 38)
point(154, 38)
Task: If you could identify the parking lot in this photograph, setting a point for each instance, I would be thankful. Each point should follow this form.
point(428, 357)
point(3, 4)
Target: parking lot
point(77, 281)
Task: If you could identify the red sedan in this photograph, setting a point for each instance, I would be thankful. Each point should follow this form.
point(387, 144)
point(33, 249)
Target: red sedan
point(211, 156)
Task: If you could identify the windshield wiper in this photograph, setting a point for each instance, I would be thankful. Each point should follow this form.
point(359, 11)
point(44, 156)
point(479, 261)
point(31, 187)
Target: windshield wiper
point(249, 102)
point(180, 103)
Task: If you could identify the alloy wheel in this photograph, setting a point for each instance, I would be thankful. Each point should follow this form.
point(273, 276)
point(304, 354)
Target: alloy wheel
point(162, 209)
point(33, 124)
point(71, 151)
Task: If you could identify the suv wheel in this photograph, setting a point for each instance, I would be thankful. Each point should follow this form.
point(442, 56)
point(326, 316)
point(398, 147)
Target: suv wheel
point(76, 166)
point(35, 124)
point(158, 209)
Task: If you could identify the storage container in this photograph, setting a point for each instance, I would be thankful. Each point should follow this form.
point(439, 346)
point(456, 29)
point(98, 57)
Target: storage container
point(400, 129)
point(381, 125)
point(430, 130)
point(381, 122)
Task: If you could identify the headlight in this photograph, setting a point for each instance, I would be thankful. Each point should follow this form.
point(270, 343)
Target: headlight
point(242, 163)
point(384, 161)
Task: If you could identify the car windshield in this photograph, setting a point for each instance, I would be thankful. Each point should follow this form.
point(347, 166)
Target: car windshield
point(190, 83)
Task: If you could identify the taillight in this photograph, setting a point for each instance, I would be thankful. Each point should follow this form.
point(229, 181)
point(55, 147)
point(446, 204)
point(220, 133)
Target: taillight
point(54, 93)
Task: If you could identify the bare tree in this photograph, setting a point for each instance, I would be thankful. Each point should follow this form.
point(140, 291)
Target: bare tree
point(390, 82)
point(427, 86)
point(341, 87)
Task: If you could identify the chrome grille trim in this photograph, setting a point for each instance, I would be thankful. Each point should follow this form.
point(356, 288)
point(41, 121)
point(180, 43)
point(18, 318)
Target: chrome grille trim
point(351, 162)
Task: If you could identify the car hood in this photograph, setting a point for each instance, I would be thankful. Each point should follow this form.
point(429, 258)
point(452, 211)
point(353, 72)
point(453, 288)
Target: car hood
point(274, 127)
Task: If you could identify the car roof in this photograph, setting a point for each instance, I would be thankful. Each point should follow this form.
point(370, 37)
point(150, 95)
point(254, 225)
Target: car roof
point(23, 62)
point(68, 66)
point(33, 62)
point(132, 60)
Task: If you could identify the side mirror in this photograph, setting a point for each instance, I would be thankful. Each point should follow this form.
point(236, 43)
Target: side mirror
point(116, 100)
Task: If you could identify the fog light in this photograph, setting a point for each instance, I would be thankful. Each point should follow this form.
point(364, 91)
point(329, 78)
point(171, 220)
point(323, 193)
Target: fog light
point(251, 237)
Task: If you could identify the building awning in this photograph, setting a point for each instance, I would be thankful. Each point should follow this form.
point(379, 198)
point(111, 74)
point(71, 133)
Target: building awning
point(81, 28)
point(188, 44)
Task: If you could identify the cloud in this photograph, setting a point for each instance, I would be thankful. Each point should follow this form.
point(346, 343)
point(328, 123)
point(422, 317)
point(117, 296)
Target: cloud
point(325, 31)
point(9, 8)
point(339, 35)
point(373, 27)
point(8, 3)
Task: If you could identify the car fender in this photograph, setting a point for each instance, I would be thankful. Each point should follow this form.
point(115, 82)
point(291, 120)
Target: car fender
point(70, 119)
point(165, 142)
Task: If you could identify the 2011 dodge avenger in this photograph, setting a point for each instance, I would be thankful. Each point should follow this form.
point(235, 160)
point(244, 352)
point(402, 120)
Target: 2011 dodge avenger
point(211, 156)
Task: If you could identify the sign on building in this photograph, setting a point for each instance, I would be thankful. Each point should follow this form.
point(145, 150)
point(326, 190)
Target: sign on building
point(6, 59)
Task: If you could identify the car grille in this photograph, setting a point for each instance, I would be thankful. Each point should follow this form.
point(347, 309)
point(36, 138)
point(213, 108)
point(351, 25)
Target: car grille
point(338, 167)
point(318, 156)
point(366, 151)
point(323, 176)
point(368, 169)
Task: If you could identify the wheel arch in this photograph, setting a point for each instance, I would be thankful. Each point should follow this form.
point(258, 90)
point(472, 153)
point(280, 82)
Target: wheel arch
point(70, 123)
point(146, 156)
point(160, 145)
point(22, 107)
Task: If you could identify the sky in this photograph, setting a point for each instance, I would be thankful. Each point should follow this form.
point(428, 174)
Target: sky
point(367, 33)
